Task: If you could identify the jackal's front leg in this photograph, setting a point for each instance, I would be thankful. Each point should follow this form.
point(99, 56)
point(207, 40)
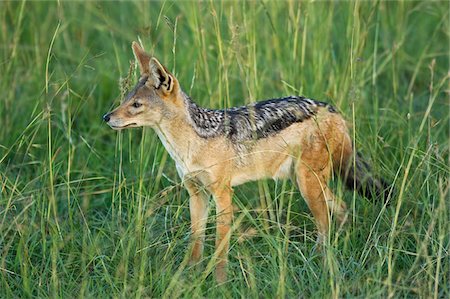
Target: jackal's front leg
point(224, 210)
point(198, 206)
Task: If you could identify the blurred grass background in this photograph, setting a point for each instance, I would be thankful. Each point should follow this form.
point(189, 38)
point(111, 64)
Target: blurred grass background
point(89, 212)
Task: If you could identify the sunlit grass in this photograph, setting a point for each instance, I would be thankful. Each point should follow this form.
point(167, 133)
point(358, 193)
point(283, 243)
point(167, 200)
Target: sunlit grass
point(89, 212)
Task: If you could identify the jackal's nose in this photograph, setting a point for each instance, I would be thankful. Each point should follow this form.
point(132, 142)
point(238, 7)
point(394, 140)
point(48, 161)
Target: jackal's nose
point(106, 117)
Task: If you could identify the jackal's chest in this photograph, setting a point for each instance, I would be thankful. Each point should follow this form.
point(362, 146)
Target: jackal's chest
point(187, 169)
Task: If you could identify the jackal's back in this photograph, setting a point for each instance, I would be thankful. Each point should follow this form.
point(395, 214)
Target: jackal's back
point(253, 121)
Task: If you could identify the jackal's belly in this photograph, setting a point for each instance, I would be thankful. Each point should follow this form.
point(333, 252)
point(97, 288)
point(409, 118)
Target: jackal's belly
point(271, 157)
point(275, 167)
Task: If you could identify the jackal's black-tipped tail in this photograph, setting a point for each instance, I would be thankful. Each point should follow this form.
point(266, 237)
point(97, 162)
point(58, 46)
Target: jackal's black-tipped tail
point(358, 176)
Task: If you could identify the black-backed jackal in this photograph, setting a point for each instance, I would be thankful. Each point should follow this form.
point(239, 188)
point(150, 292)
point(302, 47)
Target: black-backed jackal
point(214, 150)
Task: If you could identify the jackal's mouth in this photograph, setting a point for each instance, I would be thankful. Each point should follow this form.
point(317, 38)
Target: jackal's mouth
point(123, 127)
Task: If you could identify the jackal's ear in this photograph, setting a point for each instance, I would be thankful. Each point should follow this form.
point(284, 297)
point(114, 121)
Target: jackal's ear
point(161, 77)
point(142, 58)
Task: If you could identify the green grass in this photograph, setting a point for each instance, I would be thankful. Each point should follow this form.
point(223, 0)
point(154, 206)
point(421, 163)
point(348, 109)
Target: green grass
point(89, 212)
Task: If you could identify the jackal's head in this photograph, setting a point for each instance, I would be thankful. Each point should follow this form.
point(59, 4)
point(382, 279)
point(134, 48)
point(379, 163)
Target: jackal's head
point(154, 98)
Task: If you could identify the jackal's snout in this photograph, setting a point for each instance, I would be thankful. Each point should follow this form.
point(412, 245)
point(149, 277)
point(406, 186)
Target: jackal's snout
point(106, 117)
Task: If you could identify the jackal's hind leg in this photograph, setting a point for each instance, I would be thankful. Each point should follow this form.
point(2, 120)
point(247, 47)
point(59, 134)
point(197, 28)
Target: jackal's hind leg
point(313, 173)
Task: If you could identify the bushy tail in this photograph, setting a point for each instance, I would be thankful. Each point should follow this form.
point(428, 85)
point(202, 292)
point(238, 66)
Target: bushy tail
point(358, 176)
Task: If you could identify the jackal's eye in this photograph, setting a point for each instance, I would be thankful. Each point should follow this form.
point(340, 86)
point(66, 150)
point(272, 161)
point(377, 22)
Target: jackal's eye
point(136, 105)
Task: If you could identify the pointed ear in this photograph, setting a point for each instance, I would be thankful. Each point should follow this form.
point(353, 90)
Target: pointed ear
point(142, 58)
point(161, 77)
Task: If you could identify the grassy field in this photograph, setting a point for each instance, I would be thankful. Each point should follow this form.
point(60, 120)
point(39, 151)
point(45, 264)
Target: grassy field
point(89, 212)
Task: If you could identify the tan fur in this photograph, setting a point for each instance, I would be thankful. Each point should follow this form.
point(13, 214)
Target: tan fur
point(307, 151)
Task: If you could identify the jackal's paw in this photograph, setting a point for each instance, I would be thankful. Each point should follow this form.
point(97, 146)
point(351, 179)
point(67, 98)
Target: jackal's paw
point(196, 252)
point(320, 242)
point(194, 260)
point(221, 274)
point(342, 218)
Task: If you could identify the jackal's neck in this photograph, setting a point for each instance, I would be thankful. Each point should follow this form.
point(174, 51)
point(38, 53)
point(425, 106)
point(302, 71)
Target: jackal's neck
point(205, 122)
point(177, 133)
